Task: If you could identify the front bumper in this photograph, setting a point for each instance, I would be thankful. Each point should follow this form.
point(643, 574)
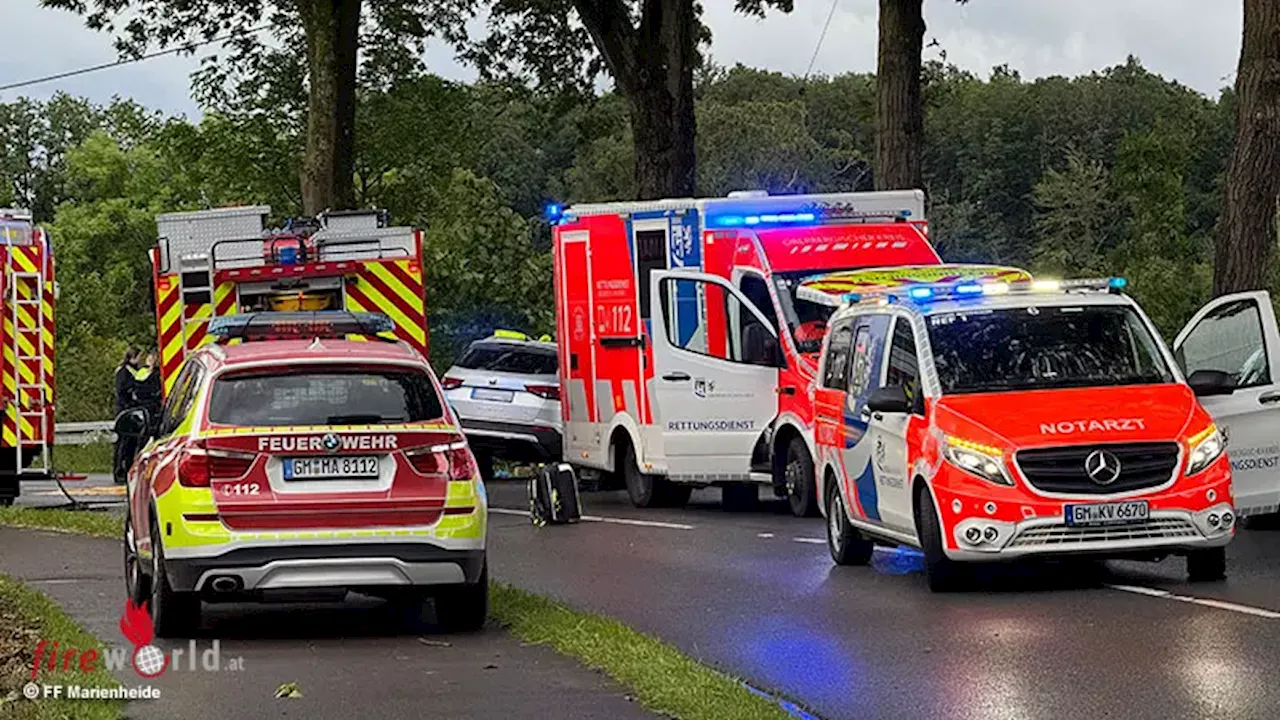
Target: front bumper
point(513, 441)
point(351, 566)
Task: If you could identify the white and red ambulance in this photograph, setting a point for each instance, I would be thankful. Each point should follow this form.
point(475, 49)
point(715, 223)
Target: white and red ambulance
point(687, 352)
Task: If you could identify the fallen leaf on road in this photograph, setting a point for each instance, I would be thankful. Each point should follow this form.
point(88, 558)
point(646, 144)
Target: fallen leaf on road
point(490, 666)
point(435, 643)
point(288, 690)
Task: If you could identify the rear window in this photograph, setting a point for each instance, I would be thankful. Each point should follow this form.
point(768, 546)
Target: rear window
point(325, 397)
point(502, 357)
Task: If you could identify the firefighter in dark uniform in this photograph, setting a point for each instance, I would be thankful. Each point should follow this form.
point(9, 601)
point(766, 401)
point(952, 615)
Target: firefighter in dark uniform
point(126, 384)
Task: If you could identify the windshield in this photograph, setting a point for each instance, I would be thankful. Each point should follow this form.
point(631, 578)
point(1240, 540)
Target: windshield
point(807, 320)
point(325, 397)
point(509, 358)
point(1044, 347)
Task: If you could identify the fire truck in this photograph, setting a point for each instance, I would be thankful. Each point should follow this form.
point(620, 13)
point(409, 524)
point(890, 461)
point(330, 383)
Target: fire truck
point(27, 295)
point(225, 261)
point(687, 351)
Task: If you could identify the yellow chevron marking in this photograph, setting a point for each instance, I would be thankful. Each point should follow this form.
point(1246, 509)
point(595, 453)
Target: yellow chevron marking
point(23, 260)
point(385, 306)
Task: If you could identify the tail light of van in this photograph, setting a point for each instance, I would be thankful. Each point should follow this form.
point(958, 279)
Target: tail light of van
point(198, 465)
point(453, 459)
point(547, 392)
point(449, 383)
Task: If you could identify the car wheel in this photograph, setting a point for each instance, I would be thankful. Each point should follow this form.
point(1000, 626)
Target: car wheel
point(942, 573)
point(797, 473)
point(137, 584)
point(1207, 565)
point(174, 614)
point(640, 487)
point(740, 497)
point(847, 545)
point(463, 608)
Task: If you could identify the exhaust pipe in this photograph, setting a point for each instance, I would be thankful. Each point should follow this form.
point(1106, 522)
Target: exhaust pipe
point(225, 584)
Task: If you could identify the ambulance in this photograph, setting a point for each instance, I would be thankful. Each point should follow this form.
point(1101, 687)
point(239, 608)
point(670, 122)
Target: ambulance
point(27, 295)
point(226, 261)
point(686, 354)
point(996, 417)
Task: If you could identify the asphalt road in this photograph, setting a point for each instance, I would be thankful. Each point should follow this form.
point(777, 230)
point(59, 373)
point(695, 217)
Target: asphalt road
point(757, 594)
point(348, 661)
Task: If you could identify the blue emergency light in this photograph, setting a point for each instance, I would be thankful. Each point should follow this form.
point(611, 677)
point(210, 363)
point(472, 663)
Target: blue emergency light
point(553, 212)
point(316, 324)
point(977, 288)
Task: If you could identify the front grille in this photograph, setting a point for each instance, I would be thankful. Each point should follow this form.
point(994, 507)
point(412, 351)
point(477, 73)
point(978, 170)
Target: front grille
point(1062, 469)
point(1065, 536)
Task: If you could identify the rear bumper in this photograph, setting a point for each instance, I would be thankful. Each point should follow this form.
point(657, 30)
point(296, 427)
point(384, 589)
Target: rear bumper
point(351, 566)
point(513, 441)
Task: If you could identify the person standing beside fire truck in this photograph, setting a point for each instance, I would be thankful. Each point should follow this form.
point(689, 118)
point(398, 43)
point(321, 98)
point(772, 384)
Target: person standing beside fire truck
point(125, 383)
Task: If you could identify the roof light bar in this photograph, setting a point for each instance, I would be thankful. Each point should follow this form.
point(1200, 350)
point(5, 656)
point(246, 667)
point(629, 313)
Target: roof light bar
point(317, 324)
point(971, 289)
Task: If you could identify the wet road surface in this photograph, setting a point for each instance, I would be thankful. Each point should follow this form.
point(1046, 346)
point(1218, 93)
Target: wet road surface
point(757, 595)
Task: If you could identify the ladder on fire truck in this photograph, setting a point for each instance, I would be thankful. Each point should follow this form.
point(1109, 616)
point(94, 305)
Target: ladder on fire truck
point(31, 396)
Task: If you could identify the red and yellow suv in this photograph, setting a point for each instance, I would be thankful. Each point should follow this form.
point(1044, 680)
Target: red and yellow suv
point(984, 421)
point(290, 460)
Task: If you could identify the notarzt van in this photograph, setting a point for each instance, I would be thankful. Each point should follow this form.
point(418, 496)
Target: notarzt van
point(983, 421)
point(686, 347)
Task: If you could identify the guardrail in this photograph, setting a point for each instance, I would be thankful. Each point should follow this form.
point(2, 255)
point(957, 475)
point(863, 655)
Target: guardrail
point(83, 433)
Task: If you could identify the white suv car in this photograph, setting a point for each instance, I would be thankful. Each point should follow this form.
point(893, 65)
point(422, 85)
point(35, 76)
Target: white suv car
point(505, 390)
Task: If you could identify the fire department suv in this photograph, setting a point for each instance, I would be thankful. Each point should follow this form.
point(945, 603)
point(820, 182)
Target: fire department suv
point(685, 352)
point(27, 294)
point(983, 420)
point(215, 263)
point(293, 461)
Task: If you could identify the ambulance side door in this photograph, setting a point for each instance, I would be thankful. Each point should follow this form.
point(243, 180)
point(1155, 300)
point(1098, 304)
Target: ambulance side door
point(888, 430)
point(1237, 334)
point(865, 371)
point(716, 380)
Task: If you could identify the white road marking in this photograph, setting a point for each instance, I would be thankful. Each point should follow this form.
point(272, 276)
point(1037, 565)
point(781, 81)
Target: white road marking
point(596, 518)
point(811, 541)
point(764, 535)
point(1206, 602)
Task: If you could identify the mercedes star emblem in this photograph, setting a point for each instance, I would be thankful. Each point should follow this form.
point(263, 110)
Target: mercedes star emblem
point(1102, 467)
point(331, 442)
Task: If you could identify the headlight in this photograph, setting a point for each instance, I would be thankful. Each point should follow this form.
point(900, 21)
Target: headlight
point(982, 460)
point(1206, 446)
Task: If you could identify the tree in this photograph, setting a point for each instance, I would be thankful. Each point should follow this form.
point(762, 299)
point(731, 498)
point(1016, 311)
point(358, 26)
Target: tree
point(331, 31)
point(651, 52)
point(1247, 230)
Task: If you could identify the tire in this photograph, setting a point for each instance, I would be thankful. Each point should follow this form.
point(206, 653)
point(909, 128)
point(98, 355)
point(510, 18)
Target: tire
point(740, 497)
point(174, 614)
point(640, 487)
point(464, 608)
point(1208, 565)
point(942, 573)
point(846, 544)
point(137, 583)
point(797, 477)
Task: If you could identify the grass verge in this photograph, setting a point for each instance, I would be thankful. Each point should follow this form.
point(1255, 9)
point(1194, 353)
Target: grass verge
point(84, 522)
point(661, 677)
point(90, 458)
point(26, 618)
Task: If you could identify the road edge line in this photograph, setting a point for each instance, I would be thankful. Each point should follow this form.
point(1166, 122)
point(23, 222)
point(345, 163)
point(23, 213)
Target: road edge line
point(1203, 602)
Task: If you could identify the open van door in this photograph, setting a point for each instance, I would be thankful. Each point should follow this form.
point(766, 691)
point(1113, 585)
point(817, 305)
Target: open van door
point(1237, 335)
point(716, 361)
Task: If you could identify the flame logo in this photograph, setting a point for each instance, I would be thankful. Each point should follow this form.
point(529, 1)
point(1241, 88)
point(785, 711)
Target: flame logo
point(149, 661)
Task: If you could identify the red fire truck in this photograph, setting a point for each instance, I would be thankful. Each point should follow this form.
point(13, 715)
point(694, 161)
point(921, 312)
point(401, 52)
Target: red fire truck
point(27, 294)
point(687, 350)
point(213, 263)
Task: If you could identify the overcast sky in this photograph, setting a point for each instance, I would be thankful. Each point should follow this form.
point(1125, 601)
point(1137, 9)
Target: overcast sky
point(1184, 40)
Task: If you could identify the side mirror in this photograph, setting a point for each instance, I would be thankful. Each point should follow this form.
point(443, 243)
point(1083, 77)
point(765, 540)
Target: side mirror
point(1205, 383)
point(889, 399)
point(134, 423)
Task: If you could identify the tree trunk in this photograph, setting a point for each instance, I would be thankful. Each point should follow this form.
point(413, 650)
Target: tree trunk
point(899, 112)
point(653, 67)
point(333, 38)
point(1247, 231)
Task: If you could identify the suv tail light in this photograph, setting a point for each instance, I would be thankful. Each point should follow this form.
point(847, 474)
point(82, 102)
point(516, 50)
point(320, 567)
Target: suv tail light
point(449, 383)
point(549, 392)
point(198, 465)
point(454, 459)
